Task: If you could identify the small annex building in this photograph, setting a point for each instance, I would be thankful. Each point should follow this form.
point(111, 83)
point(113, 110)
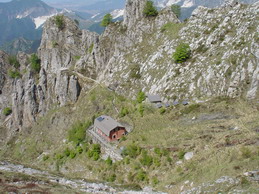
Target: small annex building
point(154, 98)
point(108, 128)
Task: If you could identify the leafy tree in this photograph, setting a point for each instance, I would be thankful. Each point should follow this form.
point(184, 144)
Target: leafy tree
point(141, 97)
point(35, 63)
point(176, 9)
point(150, 10)
point(107, 19)
point(59, 21)
point(109, 161)
point(182, 53)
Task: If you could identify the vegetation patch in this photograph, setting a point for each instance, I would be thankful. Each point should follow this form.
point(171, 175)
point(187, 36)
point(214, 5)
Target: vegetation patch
point(35, 63)
point(7, 111)
point(150, 10)
point(182, 53)
point(60, 21)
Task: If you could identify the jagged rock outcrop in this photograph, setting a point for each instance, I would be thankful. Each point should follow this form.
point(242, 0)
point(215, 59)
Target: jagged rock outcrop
point(133, 12)
point(137, 54)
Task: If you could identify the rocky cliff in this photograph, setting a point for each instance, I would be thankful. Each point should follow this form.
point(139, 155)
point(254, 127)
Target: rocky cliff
point(137, 54)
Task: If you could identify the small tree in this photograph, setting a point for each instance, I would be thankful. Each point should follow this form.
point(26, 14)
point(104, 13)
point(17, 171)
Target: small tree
point(150, 10)
point(35, 63)
point(176, 9)
point(59, 21)
point(107, 19)
point(182, 53)
point(7, 111)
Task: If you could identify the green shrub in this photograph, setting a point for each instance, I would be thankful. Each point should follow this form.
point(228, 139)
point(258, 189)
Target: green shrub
point(146, 160)
point(7, 111)
point(79, 150)
point(96, 156)
point(107, 19)
point(176, 9)
point(150, 10)
point(108, 161)
point(59, 21)
point(124, 111)
point(166, 27)
point(78, 132)
point(59, 156)
point(132, 151)
point(182, 53)
point(141, 176)
point(72, 154)
point(13, 61)
point(35, 63)
point(67, 152)
point(155, 181)
point(141, 97)
point(141, 110)
point(14, 74)
point(162, 110)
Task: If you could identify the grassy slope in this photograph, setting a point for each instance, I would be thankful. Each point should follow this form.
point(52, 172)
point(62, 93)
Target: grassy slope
point(206, 129)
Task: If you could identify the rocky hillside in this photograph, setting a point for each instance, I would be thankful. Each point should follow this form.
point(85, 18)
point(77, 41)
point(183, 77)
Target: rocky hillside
point(82, 75)
point(137, 54)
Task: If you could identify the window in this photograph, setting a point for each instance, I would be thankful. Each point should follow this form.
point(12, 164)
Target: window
point(114, 136)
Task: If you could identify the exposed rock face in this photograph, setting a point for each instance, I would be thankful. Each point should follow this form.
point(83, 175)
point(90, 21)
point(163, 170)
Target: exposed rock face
point(137, 54)
point(133, 12)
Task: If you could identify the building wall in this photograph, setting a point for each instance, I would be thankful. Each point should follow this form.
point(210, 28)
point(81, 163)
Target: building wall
point(117, 133)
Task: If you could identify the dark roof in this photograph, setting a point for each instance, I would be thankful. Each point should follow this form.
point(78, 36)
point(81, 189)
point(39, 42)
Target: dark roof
point(154, 98)
point(106, 124)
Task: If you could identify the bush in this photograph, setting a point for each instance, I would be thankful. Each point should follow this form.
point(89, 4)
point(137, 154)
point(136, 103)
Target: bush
point(107, 19)
point(124, 111)
point(35, 63)
point(150, 10)
point(176, 9)
point(72, 154)
point(14, 74)
point(94, 152)
point(162, 110)
point(7, 111)
point(146, 160)
point(67, 152)
point(96, 156)
point(109, 161)
point(132, 151)
point(13, 61)
point(78, 132)
point(141, 176)
point(79, 150)
point(59, 21)
point(182, 53)
point(141, 110)
point(141, 97)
